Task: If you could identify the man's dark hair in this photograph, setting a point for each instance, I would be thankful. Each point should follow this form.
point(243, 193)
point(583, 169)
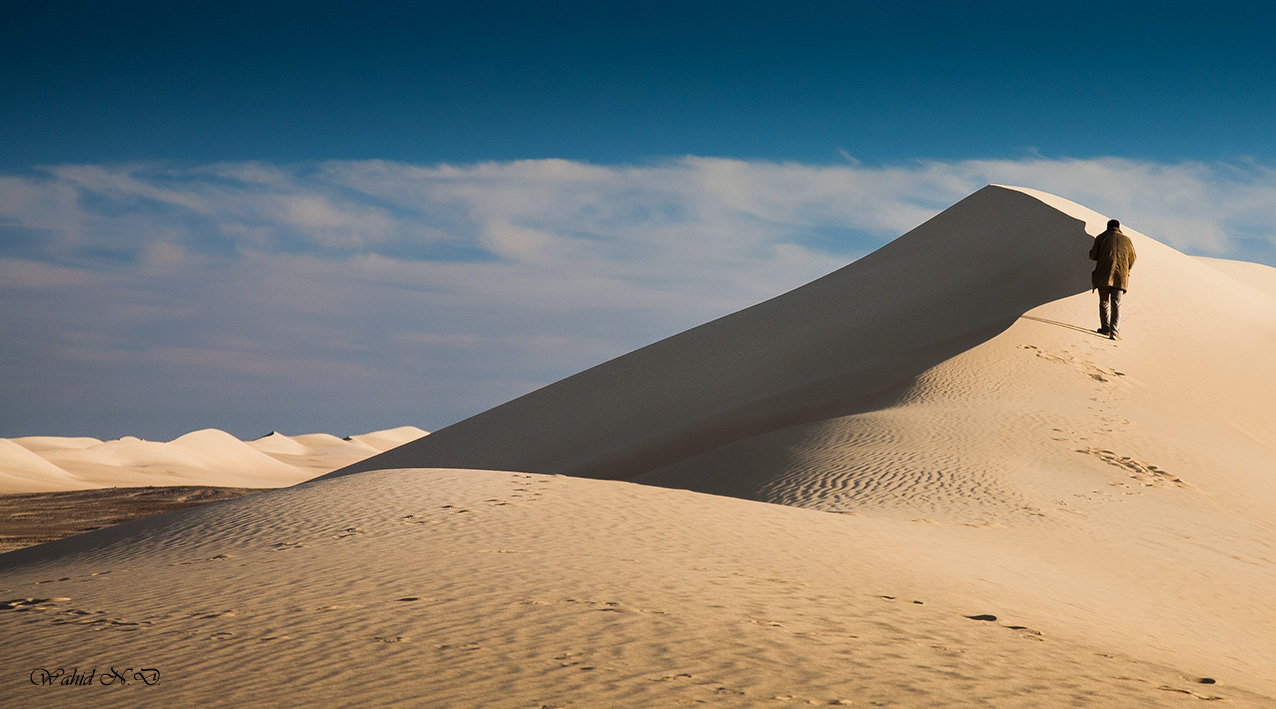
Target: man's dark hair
point(1114, 224)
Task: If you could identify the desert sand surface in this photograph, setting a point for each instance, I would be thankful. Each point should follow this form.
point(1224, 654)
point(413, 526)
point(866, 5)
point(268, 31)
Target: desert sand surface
point(446, 588)
point(921, 481)
point(201, 458)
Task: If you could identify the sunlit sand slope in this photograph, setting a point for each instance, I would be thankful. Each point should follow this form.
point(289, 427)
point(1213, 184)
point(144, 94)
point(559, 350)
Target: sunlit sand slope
point(488, 589)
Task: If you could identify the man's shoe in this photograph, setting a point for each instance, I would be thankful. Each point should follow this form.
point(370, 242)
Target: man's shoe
point(1113, 336)
point(1104, 330)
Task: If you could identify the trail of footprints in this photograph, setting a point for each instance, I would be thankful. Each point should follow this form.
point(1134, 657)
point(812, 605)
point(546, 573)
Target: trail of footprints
point(585, 662)
point(56, 610)
point(1086, 367)
point(1148, 475)
point(525, 491)
point(1145, 474)
point(1024, 631)
point(61, 615)
point(99, 620)
point(1031, 634)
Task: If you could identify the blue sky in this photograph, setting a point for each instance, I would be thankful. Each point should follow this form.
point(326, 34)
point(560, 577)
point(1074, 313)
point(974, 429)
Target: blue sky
point(347, 216)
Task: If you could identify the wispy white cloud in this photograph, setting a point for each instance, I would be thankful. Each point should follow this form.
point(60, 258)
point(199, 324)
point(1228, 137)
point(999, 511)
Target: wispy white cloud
point(347, 295)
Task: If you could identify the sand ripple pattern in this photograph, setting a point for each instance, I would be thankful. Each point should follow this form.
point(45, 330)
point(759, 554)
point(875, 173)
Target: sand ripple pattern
point(904, 460)
point(438, 588)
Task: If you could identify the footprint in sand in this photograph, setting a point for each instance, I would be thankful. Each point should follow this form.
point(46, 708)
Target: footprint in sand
point(77, 617)
point(771, 579)
point(767, 623)
point(903, 600)
point(1190, 693)
point(219, 557)
point(1149, 475)
point(36, 605)
point(1027, 633)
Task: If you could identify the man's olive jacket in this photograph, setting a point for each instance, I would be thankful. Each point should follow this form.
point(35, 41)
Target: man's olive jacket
point(1115, 255)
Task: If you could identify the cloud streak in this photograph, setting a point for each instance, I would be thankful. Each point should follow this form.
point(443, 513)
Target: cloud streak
point(345, 296)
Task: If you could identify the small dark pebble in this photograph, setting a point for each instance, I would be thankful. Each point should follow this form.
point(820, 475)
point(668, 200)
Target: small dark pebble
point(1206, 680)
point(982, 617)
point(408, 598)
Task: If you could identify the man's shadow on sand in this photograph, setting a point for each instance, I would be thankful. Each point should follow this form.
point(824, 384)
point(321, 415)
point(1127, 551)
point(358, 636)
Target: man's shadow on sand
point(1070, 326)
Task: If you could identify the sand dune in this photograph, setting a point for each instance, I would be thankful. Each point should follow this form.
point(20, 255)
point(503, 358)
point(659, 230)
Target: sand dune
point(276, 444)
point(1256, 275)
point(1030, 515)
point(24, 470)
point(951, 372)
point(487, 589)
point(380, 441)
point(839, 345)
point(207, 457)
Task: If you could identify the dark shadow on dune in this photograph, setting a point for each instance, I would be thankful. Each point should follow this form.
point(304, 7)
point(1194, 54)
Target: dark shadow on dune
point(858, 390)
point(843, 344)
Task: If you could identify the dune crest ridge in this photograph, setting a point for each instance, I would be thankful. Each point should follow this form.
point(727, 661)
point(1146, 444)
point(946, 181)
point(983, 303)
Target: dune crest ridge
point(831, 347)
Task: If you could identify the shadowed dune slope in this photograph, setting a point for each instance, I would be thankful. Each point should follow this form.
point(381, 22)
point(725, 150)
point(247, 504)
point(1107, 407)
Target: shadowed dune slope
point(831, 348)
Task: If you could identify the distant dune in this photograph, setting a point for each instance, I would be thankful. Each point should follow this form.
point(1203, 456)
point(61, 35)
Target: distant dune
point(207, 457)
point(982, 503)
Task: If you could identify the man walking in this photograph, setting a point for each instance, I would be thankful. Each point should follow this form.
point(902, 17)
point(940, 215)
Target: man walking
point(1114, 253)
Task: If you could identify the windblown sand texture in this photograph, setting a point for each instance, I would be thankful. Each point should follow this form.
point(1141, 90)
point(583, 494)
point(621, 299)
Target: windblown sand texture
point(207, 457)
point(983, 503)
